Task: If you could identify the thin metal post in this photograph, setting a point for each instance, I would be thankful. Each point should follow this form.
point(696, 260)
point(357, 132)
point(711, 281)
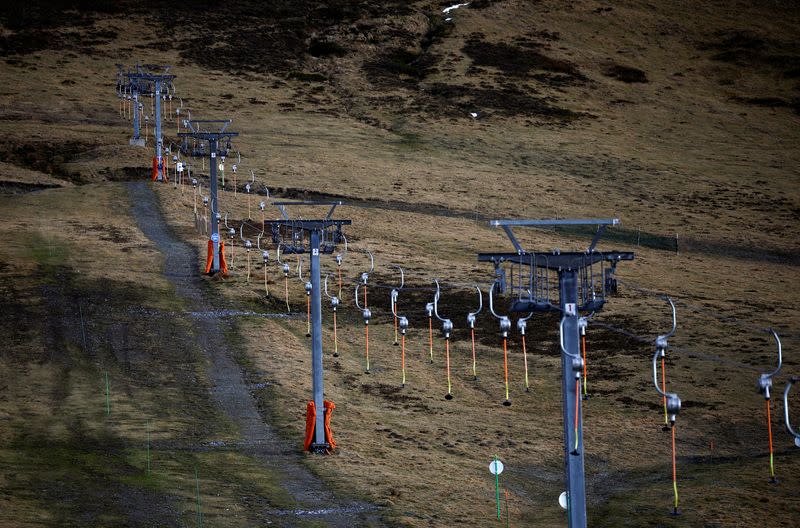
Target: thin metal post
point(212, 146)
point(159, 139)
point(316, 341)
point(573, 449)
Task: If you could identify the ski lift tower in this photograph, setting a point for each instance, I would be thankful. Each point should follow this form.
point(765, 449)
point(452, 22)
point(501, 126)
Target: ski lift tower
point(316, 237)
point(582, 279)
point(130, 89)
point(145, 80)
point(214, 131)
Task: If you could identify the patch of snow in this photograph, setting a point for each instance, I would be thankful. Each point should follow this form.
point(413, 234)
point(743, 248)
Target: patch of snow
point(454, 7)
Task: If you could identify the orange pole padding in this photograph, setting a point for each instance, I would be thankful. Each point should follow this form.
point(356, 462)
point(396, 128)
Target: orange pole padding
point(155, 169)
point(311, 419)
point(210, 257)
point(222, 261)
point(329, 407)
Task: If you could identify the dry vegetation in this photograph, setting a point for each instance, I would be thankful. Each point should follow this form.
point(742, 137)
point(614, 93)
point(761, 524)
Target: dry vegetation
point(679, 118)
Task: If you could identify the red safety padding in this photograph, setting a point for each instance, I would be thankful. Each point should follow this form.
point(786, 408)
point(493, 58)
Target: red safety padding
point(210, 257)
point(329, 407)
point(222, 261)
point(155, 168)
point(311, 418)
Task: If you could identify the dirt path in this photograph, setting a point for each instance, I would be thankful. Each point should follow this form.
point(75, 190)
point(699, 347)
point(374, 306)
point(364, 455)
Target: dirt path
point(231, 393)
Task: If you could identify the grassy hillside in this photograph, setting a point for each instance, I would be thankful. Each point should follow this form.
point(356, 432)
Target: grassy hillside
point(680, 118)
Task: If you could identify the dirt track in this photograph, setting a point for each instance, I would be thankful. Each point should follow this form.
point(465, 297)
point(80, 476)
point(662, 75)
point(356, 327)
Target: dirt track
point(231, 393)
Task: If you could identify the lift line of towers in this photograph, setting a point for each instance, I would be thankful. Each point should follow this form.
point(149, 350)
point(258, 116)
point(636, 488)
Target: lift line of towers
point(584, 279)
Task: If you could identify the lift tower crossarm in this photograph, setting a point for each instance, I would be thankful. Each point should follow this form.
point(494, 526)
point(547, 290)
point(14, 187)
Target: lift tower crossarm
point(320, 223)
point(555, 260)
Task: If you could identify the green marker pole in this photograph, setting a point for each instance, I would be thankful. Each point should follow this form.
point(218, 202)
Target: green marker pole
point(108, 401)
point(199, 511)
point(497, 489)
point(148, 449)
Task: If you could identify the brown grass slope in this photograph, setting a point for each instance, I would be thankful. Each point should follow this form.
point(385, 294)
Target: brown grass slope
point(679, 117)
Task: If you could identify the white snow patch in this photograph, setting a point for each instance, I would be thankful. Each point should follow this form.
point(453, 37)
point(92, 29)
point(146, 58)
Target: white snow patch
point(454, 7)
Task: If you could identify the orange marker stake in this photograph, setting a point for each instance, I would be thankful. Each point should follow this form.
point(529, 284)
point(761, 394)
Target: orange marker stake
point(525, 361)
point(402, 322)
point(507, 402)
point(471, 318)
point(248, 263)
point(674, 473)
point(449, 395)
point(394, 311)
point(286, 289)
point(367, 315)
point(664, 389)
point(507, 519)
point(335, 339)
point(430, 335)
point(577, 411)
point(366, 344)
point(403, 357)
point(474, 361)
point(308, 315)
point(583, 350)
point(765, 383)
point(769, 429)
